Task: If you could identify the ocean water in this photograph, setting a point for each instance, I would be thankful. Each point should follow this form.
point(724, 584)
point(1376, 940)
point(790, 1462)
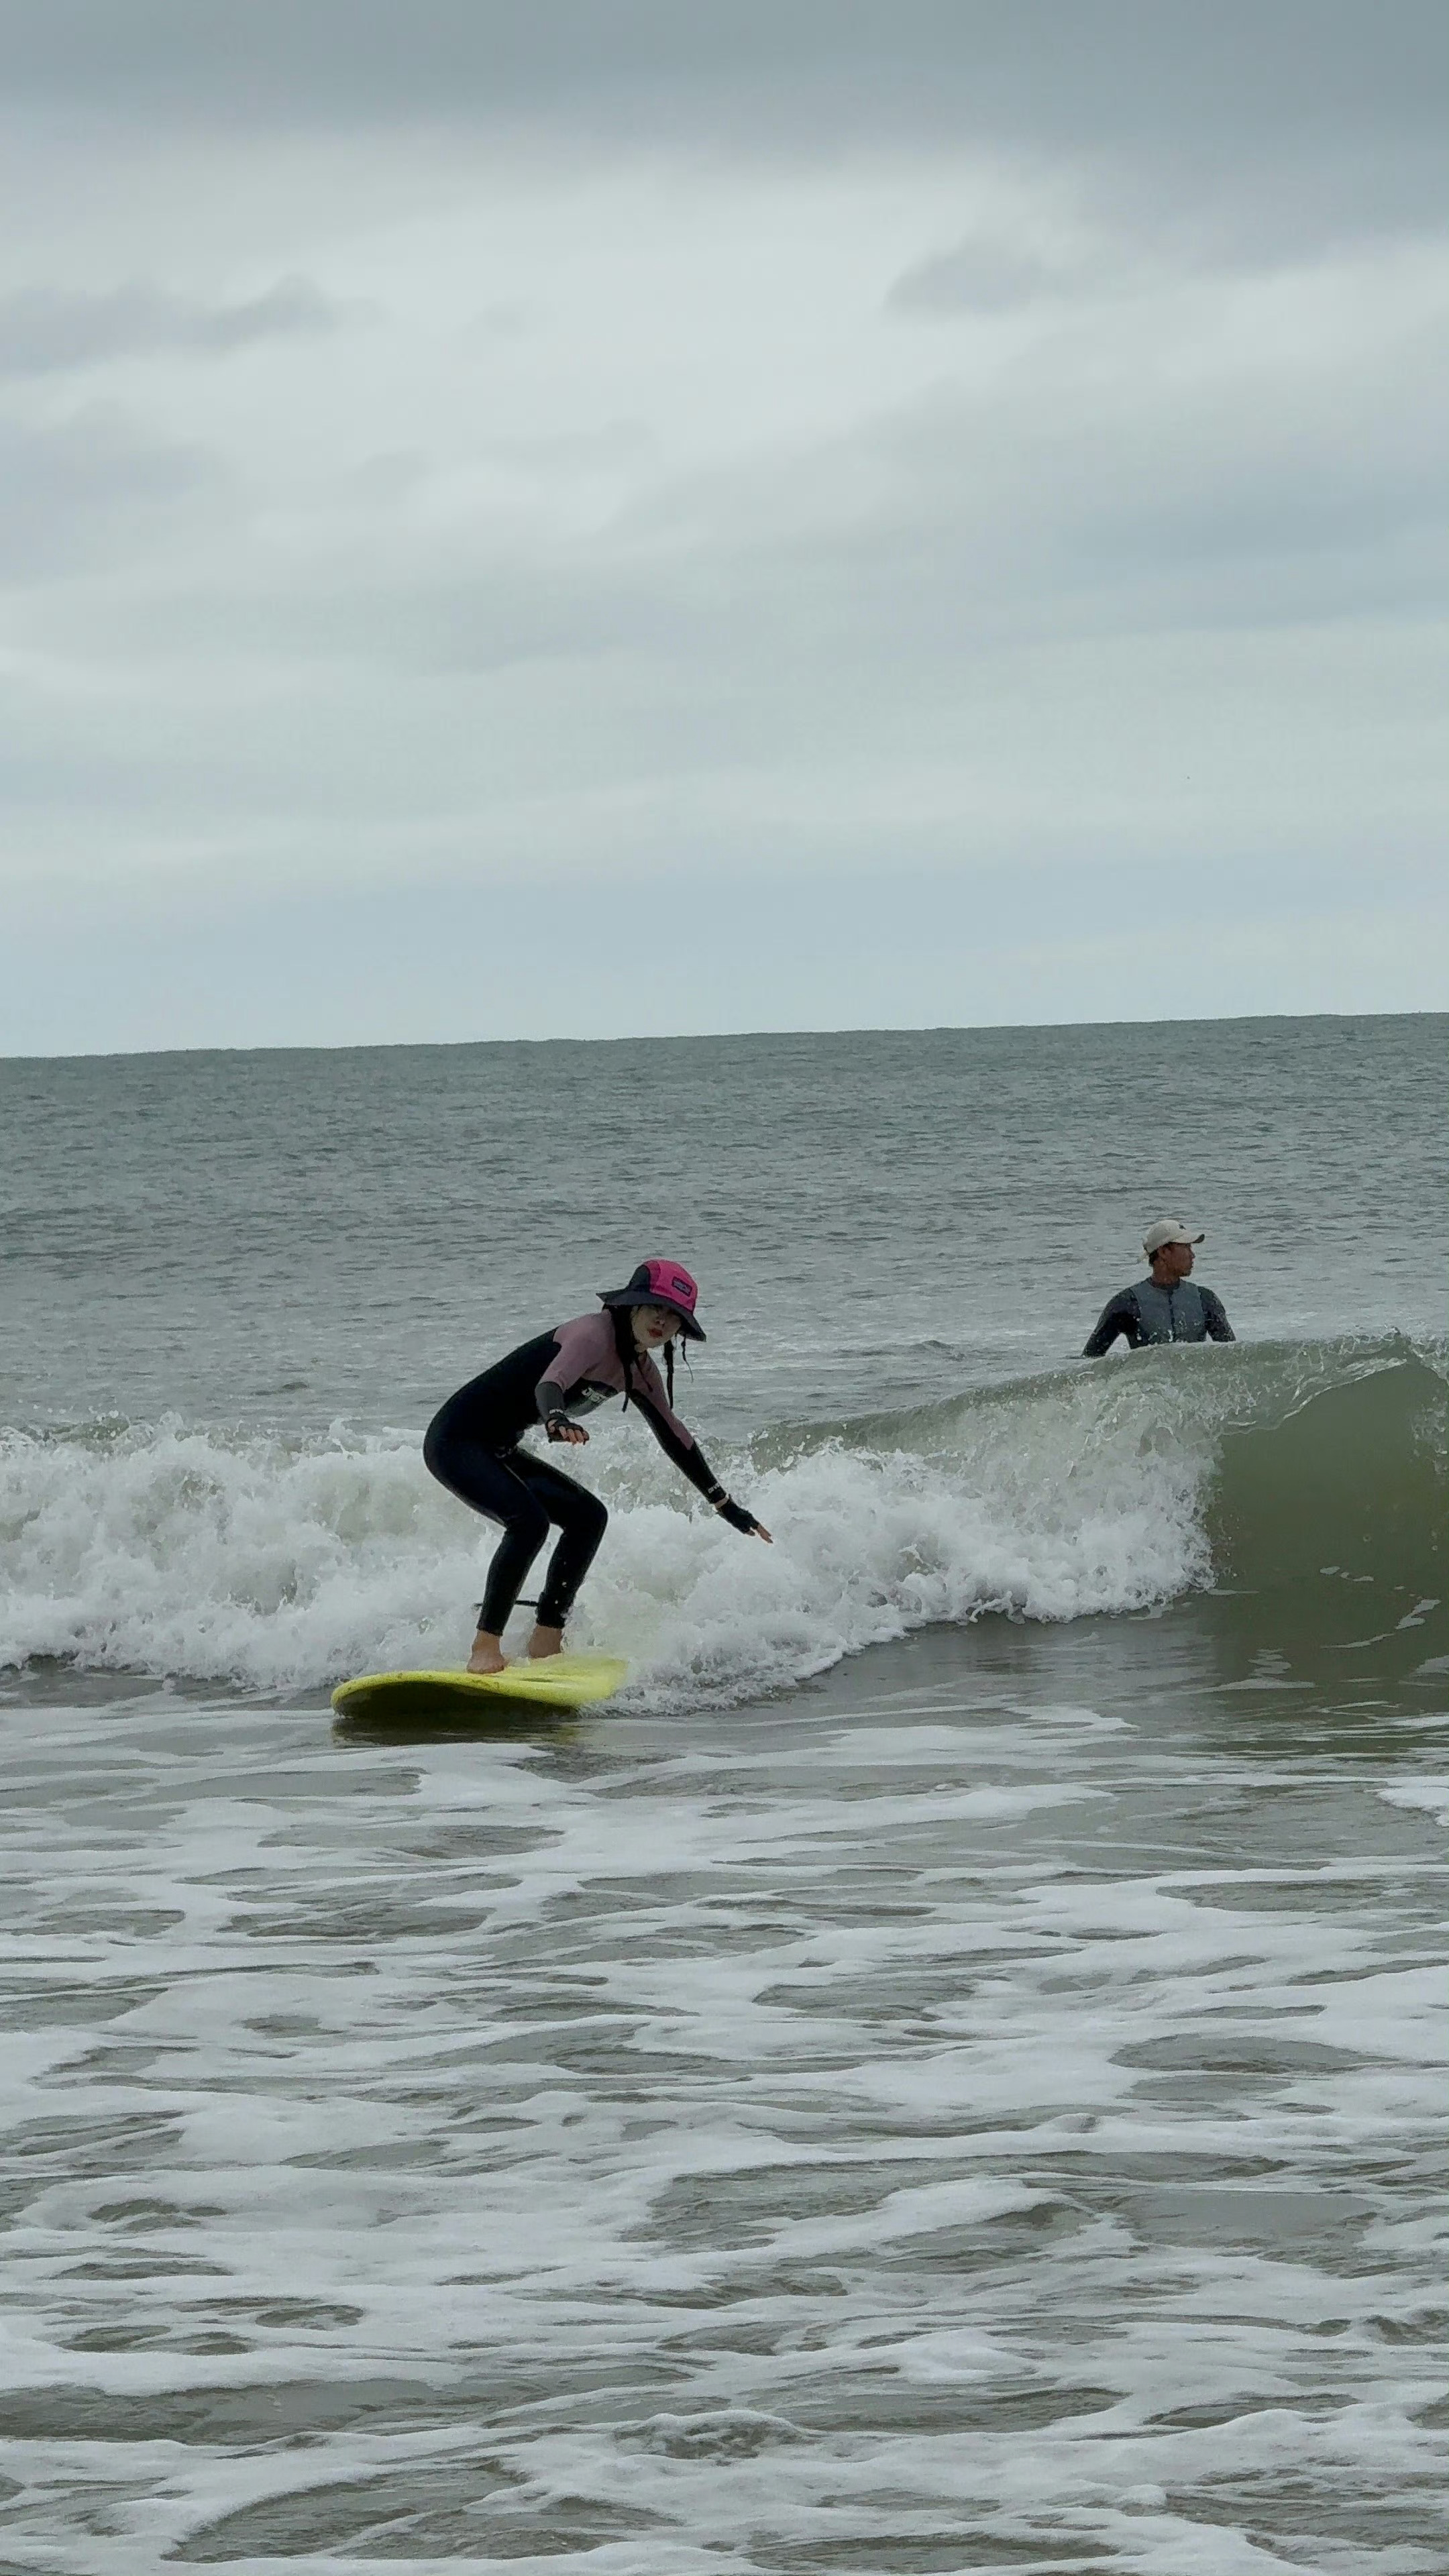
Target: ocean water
point(945, 2072)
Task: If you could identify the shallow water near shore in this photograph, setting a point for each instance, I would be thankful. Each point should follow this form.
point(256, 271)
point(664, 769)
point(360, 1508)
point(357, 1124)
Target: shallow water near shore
point(945, 2073)
point(990, 2120)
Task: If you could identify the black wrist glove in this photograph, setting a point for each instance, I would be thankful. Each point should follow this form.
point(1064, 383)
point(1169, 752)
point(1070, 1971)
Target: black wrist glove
point(736, 1514)
point(556, 1424)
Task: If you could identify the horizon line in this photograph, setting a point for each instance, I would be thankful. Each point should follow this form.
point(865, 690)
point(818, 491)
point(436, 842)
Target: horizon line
point(706, 1037)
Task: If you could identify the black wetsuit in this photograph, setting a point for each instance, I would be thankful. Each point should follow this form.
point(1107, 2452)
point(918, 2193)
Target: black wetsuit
point(1151, 1313)
point(472, 1446)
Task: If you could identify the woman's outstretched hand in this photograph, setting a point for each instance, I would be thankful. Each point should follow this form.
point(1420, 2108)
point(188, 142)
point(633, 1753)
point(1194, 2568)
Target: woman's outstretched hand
point(738, 1518)
point(559, 1427)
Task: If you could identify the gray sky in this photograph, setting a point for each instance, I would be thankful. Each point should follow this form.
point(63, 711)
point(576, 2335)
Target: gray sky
point(612, 516)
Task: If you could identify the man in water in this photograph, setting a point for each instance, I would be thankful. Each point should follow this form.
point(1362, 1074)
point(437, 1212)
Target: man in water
point(1166, 1306)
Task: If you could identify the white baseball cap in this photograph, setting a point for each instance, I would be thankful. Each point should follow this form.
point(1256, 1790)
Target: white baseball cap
point(1168, 1229)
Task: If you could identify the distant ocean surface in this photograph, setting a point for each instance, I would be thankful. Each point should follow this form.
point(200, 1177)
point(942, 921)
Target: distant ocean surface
point(941, 2074)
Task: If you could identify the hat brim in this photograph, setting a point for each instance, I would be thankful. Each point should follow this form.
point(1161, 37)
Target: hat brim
point(650, 1297)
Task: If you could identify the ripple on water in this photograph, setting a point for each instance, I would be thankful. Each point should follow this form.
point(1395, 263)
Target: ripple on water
point(928, 2134)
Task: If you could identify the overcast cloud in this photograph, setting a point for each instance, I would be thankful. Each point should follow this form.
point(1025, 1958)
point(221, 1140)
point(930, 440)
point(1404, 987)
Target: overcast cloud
point(610, 517)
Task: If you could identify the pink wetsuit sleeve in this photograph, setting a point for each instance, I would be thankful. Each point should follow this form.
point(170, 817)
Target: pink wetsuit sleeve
point(584, 1348)
point(647, 1377)
point(677, 1443)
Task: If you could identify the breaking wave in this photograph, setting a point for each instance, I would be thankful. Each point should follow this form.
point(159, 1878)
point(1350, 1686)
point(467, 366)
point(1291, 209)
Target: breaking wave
point(276, 1563)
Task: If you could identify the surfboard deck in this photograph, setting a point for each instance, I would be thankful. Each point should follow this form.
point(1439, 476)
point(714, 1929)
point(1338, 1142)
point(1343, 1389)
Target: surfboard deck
point(556, 1681)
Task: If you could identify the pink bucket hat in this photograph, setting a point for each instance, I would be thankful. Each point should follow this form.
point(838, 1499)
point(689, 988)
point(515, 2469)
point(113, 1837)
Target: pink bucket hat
point(661, 1283)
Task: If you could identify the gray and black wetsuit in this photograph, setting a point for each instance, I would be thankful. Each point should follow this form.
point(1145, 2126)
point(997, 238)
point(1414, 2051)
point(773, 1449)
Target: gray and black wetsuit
point(1147, 1313)
point(472, 1446)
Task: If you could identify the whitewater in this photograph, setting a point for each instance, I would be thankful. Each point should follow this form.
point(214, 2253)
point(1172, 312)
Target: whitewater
point(946, 2071)
point(273, 1563)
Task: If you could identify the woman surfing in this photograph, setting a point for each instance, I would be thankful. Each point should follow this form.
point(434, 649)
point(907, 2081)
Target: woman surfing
point(472, 1445)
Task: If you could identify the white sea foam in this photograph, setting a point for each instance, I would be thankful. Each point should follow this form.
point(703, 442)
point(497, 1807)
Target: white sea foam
point(1430, 1795)
point(810, 2153)
point(280, 1562)
point(273, 1563)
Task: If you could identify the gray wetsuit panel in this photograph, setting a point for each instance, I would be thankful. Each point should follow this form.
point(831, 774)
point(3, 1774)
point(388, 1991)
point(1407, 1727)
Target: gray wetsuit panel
point(1147, 1313)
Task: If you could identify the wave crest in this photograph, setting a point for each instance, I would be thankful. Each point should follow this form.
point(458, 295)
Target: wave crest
point(276, 1564)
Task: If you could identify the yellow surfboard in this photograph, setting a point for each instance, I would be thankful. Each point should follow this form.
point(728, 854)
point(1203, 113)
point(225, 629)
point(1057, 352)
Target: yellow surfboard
point(555, 1681)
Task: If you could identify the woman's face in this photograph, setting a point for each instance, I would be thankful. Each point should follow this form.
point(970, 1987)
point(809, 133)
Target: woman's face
point(654, 1326)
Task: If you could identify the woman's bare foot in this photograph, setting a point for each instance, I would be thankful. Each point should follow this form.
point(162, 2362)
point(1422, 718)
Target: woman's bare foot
point(544, 1641)
point(488, 1655)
